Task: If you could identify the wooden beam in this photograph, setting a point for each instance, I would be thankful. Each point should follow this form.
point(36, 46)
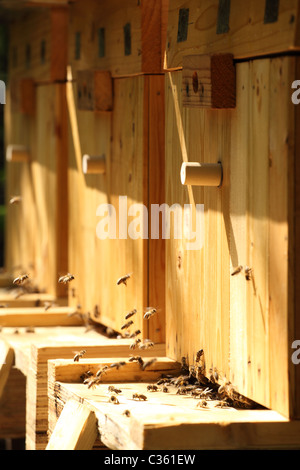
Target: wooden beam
point(76, 428)
point(37, 316)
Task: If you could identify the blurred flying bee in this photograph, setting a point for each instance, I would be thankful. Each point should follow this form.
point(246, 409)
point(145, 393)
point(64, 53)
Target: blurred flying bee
point(66, 278)
point(146, 344)
point(91, 382)
point(135, 343)
point(135, 333)
point(237, 270)
point(127, 324)
point(149, 313)
point(130, 314)
point(113, 399)
point(79, 355)
point(20, 279)
point(101, 371)
point(152, 388)
point(15, 200)
point(139, 396)
point(47, 305)
point(113, 389)
point(86, 375)
point(248, 273)
point(123, 279)
point(149, 363)
point(3, 305)
point(126, 413)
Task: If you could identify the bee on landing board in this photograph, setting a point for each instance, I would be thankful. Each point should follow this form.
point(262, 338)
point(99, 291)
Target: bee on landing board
point(123, 279)
point(20, 279)
point(79, 355)
point(66, 278)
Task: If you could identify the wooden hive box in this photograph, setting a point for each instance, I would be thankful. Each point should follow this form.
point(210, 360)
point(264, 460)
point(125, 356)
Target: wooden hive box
point(247, 324)
point(35, 139)
point(116, 117)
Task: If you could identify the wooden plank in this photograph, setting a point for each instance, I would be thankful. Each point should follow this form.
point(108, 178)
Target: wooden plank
point(6, 362)
point(248, 34)
point(293, 260)
point(149, 425)
point(75, 429)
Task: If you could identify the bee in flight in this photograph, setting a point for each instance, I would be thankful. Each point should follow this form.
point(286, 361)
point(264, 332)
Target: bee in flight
point(79, 355)
point(66, 278)
point(20, 279)
point(123, 279)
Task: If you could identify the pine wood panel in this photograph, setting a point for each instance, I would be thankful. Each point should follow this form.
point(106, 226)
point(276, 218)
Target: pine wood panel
point(197, 295)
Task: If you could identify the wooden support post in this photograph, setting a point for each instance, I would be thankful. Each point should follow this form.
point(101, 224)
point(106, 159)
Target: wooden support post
point(17, 153)
point(209, 81)
point(201, 174)
point(6, 362)
point(76, 428)
point(93, 165)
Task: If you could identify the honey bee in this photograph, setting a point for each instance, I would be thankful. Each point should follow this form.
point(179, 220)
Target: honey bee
point(135, 333)
point(146, 344)
point(248, 273)
point(126, 413)
point(15, 200)
point(113, 389)
point(135, 343)
point(113, 399)
point(30, 329)
point(91, 382)
point(20, 279)
point(139, 396)
point(199, 354)
point(137, 359)
point(47, 305)
point(149, 363)
point(66, 278)
point(149, 313)
point(130, 314)
point(123, 279)
point(202, 404)
point(222, 404)
point(101, 371)
point(127, 325)
point(79, 355)
point(165, 389)
point(237, 270)
point(152, 388)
